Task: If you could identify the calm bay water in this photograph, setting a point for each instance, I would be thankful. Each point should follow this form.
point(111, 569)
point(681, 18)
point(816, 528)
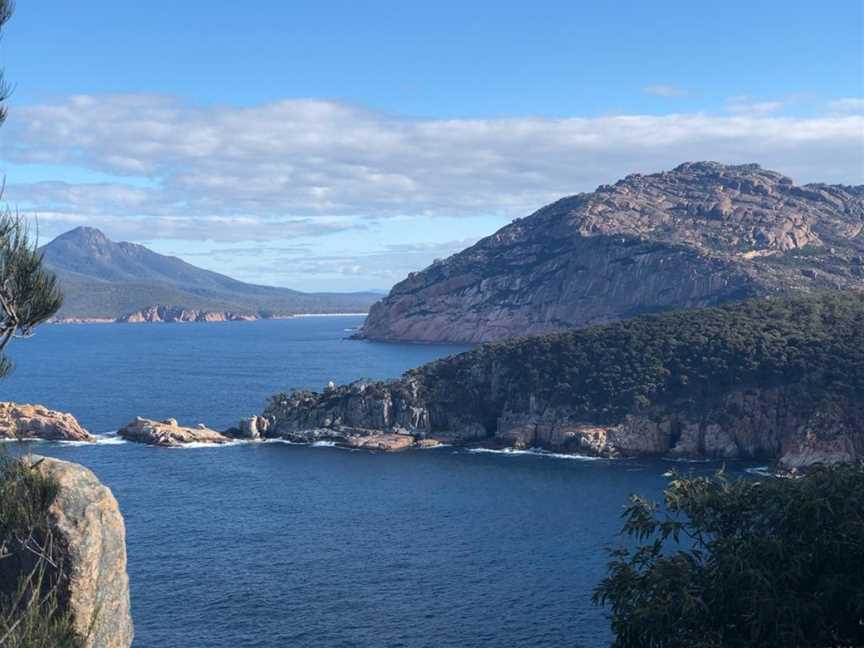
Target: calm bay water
point(272, 545)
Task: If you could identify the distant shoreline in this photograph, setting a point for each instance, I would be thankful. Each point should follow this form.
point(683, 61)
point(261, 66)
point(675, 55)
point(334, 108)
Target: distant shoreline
point(251, 318)
point(329, 315)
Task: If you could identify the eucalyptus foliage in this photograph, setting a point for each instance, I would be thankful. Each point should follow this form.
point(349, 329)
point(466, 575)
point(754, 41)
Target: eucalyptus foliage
point(742, 563)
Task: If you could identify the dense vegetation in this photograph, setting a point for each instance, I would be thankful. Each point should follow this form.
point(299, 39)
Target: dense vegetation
point(750, 564)
point(685, 358)
point(30, 562)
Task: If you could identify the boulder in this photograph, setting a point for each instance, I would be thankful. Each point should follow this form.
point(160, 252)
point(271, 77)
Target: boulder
point(22, 421)
point(383, 442)
point(254, 427)
point(169, 433)
point(89, 529)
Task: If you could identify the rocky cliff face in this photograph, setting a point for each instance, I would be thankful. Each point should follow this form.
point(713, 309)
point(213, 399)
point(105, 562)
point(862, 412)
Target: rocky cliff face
point(766, 425)
point(160, 313)
point(699, 235)
point(767, 379)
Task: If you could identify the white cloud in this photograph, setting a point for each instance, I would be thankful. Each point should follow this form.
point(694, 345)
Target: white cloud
point(664, 90)
point(745, 105)
point(847, 104)
point(307, 166)
point(333, 269)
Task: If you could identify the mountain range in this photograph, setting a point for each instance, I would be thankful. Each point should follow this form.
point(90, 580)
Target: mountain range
point(701, 234)
point(103, 279)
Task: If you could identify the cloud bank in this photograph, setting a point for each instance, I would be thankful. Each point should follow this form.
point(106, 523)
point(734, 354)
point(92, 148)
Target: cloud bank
point(308, 167)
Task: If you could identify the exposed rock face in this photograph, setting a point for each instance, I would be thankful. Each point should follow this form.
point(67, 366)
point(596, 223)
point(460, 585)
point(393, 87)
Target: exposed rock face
point(383, 442)
point(22, 421)
point(175, 314)
point(766, 425)
point(87, 523)
point(169, 433)
point(699, 235)
point(254, 427)
point(766, 379)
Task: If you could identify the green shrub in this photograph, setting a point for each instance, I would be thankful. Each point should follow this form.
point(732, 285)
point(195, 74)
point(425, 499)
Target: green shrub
point(748, 564)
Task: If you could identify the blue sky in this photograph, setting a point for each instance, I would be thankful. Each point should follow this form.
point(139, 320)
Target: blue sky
point(339, 145)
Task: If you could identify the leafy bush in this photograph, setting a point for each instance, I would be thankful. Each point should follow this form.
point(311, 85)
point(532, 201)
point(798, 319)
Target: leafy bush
point(750, 564)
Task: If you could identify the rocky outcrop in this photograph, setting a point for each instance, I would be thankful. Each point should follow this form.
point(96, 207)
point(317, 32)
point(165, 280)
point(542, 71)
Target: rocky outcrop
point(169, 433)
point(253, 428)
point(23, 421)
point(699, 235)
point(161, 313)
point(382, 442)
point(767, 379)
point(89, 532)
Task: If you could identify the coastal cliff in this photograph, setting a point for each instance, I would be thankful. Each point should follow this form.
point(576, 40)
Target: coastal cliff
point(161, 313)
point(702, 234)
point(776, 379)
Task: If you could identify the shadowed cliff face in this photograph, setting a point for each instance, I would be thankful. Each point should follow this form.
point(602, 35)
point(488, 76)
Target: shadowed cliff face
point(699, 235)
point(773, 379)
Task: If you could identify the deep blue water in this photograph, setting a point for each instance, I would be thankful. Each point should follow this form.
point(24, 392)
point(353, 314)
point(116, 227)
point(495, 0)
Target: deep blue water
point(272, 545)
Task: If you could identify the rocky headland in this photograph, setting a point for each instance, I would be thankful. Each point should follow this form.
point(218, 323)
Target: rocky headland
point(24, 421)
point(774, 379)
point(701, 234)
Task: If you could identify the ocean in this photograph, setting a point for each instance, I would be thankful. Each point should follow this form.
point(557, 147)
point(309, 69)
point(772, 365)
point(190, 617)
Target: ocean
point(276, 545)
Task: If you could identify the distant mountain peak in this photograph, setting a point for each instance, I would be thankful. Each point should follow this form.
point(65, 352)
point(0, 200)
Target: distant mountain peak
point(105, 279)
point(84, 233)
